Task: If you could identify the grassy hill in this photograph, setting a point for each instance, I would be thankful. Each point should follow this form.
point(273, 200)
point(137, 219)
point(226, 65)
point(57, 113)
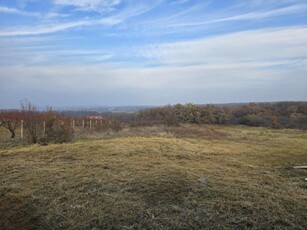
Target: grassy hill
point(144, 178)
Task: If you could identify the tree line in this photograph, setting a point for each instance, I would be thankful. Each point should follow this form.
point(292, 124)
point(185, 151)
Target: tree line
point(36, 126)
point(275, 115)
point(50, 126)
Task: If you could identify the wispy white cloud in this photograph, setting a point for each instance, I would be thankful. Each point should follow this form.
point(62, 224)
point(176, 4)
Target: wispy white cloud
point(96, 79)
point(159, 85)
point(116, 18)
point(7, 10)
point(265, 14)
point(263, 48)
point(263, 45)
point(271, 2)
point(178, 21)
point(37, 51)
point(52, 28)
point(253, 58)
point(90, 5)
point(179, 1)
point(214, 19)
point(49, 15)
point(199, 17)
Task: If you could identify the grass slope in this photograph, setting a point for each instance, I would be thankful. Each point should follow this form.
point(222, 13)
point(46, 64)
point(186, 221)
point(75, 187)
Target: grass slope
point(144, 181)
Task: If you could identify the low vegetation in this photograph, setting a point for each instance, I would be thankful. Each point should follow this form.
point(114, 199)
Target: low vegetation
point(274, 115)
point(144, 178)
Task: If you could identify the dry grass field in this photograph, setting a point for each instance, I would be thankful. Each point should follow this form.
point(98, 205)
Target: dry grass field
point(143, 178)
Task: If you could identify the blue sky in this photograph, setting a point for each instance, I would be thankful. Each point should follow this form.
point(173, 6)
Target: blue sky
point(154, 52)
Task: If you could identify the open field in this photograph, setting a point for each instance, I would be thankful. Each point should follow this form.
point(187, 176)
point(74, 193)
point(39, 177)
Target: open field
point(142, 178)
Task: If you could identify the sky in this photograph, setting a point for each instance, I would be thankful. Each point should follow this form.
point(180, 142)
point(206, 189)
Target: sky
point(153, 52)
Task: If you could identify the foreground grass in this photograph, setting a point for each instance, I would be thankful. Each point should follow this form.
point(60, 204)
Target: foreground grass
point(144, 180)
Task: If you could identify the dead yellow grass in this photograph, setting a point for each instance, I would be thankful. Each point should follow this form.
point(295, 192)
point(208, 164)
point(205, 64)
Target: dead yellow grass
point(142, 181)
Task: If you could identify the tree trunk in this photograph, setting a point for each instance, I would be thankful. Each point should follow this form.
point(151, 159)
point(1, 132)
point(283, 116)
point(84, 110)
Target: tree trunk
point(12, 132)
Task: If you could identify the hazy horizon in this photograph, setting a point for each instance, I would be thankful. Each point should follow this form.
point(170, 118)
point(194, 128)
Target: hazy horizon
point(70, 53)
point(42, 107)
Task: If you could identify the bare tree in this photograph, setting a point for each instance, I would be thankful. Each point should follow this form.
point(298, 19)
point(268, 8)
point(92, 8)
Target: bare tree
point(31, 119)
point(10, 120)
point(44, 127)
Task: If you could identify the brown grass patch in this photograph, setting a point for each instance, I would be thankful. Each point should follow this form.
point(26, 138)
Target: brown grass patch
point(143, 182)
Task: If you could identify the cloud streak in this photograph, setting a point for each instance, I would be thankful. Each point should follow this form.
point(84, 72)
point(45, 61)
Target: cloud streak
point(252, 58)
point(7, 10)
point(262, 45)
point(90, 5)
point(53, 28)
point(117, 18)
point(218, 18)
point(177, 20)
